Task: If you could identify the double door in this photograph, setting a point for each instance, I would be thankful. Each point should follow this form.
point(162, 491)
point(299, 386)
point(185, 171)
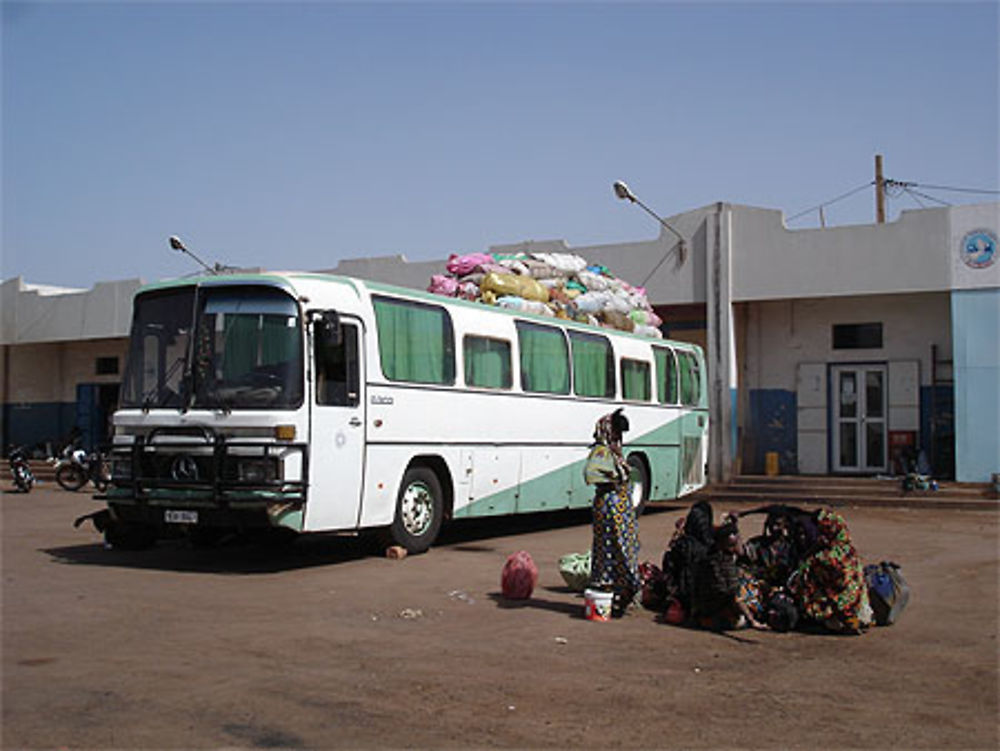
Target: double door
point(859, 418)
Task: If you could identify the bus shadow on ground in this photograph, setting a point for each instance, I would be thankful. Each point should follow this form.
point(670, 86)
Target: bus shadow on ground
point(241, 555)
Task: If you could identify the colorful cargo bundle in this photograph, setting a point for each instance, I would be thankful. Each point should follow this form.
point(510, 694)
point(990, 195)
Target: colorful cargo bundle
point(561, 285)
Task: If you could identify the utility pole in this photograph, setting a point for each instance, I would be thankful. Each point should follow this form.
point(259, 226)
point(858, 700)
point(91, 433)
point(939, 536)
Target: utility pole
point(879, 191)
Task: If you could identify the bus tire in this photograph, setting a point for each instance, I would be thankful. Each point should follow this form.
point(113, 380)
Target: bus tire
point(639, 481)
point(419, 510)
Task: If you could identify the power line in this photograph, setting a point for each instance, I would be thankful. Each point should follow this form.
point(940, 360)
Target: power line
point(915, 193)
point(896, 188)
point(956, 190)
point(848, 194)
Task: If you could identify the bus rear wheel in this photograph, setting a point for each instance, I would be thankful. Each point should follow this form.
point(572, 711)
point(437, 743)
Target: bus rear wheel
point(638, 482)
point(419, 511)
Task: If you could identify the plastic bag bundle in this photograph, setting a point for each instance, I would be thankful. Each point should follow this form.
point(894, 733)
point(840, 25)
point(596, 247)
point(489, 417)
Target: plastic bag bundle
point(519, 576)
point(575, 570)
point(593, 282)
point(617, 320)
point(443, 285)
point(651, 331)
point(539, 269)
point(592, 302)
point(519, 286)
point(888, 591)
point(468, 290)
point(462, 265)
point(564, 262)
point(514, 265)
point(645, 317)
point(563, 285)
point(525, 306)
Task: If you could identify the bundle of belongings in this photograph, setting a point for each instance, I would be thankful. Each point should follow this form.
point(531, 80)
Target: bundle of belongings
point(802, 571)
point(562, 285)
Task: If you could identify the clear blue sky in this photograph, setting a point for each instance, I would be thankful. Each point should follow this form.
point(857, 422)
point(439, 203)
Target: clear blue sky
point(296, 135)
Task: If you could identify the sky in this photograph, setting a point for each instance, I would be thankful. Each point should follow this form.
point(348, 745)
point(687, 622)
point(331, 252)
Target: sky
point(295, 135)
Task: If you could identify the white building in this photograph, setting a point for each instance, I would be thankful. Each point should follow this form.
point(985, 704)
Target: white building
point(836, 350)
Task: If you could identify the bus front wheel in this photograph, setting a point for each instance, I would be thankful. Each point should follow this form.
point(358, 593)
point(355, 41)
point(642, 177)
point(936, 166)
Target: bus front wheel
point(419, 510)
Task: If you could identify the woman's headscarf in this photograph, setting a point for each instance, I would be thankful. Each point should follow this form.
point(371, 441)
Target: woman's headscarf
point(608, 432)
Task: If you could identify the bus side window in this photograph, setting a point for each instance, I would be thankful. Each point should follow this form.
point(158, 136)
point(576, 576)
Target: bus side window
point(487, 362)
point(666, 375)
point(635, 380)
point(690, 377)
point(593, 365)
point(544, 358)
point(337, 370)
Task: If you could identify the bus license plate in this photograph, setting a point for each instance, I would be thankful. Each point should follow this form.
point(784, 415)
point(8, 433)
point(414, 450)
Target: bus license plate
point(181, 517)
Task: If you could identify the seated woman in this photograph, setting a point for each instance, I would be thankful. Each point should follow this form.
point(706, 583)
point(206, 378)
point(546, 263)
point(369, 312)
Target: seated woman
point(725, 596)
point(829, 583)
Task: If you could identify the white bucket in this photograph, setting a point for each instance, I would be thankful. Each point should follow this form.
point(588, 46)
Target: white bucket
point(597, 605)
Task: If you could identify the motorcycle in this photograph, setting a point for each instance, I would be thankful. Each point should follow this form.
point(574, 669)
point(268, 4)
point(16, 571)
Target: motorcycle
point(20, 470)
point(78, 467)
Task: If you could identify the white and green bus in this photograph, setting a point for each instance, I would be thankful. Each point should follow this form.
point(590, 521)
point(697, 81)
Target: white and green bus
point(310, 403)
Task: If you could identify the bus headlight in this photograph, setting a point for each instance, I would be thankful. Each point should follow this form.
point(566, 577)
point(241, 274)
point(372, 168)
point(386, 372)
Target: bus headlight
point(257, 470)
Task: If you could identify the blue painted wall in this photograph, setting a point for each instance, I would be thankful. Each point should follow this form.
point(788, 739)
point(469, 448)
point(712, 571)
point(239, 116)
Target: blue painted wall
point(975, 320)
point(773, 427)
point(29, 425)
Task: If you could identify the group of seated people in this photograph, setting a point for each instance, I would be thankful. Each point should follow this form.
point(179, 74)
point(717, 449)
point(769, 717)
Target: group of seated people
point(801, 571)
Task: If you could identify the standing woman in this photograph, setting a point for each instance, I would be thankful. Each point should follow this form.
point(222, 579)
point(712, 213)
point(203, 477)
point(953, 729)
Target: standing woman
point(615, 552)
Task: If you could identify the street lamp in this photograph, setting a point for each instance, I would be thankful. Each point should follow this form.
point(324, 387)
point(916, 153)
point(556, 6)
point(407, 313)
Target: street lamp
point(623, 192)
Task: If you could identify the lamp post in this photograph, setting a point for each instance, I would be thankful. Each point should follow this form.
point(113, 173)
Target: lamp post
point(624, 193)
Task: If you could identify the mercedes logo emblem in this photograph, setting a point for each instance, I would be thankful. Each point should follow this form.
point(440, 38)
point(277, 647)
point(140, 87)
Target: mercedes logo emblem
point(184, 468)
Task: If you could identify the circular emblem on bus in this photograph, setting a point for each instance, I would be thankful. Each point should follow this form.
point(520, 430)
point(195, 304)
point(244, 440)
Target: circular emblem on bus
point(184, 468)
point(979, 248)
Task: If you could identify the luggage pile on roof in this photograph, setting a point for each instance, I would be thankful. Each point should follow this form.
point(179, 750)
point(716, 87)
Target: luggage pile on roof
point(561, 285)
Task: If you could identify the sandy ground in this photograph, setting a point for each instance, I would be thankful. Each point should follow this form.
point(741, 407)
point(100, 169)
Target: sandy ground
point(325, 645)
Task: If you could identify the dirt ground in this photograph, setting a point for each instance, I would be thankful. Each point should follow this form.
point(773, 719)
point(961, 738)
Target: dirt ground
point(325, 645)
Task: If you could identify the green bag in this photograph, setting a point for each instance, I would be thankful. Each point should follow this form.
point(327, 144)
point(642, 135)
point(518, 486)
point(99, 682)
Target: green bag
point(600, 466)
point(575, 570)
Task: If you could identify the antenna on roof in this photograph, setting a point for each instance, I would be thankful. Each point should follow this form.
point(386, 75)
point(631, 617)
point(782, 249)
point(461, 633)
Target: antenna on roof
point(176, 244)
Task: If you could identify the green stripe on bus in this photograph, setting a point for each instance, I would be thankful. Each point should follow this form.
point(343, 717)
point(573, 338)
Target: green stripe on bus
point(563, 487)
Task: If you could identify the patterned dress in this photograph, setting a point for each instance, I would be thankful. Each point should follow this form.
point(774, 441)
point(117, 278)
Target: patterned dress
point(614, 558)
point(830, 584)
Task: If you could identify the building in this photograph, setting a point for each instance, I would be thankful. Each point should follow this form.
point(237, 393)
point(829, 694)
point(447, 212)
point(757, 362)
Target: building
point(841, 350)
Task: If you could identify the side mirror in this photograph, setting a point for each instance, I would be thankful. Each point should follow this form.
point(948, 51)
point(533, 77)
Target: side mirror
point(326, 324)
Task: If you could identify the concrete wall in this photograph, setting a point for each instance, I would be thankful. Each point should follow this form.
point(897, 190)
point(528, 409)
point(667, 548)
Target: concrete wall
point(773, 262)
point(41, 383)
point(34, 313)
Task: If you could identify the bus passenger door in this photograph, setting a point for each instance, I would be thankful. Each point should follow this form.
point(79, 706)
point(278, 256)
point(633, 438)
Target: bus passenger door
point(337, 431)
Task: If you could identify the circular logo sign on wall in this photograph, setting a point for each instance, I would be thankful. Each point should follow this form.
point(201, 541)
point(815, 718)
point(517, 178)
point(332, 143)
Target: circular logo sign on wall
point(979, 248)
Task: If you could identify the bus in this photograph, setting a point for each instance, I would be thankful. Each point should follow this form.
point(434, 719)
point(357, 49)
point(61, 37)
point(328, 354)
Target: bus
point(295, 403)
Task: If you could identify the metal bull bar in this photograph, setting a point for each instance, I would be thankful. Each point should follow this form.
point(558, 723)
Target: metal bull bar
point(199, 459)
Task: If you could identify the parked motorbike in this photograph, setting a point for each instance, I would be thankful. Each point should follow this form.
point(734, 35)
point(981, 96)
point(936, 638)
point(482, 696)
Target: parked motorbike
point(20, 470)
point(74, 470)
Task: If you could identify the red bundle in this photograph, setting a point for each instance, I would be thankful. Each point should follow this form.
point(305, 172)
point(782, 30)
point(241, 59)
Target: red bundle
point(519, 576)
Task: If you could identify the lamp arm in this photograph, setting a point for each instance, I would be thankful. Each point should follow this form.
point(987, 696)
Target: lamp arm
point(658, 218)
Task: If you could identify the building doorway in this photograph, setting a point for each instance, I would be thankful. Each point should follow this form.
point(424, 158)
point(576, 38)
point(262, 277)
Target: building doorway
point(859, 418)
point(95, 403)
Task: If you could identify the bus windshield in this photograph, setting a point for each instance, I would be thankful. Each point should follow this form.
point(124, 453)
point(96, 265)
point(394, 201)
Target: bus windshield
point(246, 351)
